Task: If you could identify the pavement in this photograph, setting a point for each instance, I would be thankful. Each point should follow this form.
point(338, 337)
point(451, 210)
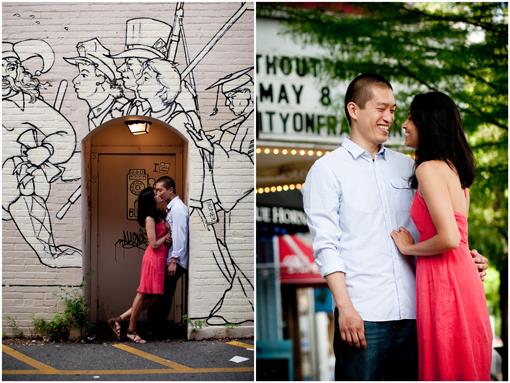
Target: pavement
point(172, 360)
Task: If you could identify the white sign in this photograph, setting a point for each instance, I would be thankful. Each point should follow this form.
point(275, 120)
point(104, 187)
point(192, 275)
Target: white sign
point(280, 215)
point(295, 100)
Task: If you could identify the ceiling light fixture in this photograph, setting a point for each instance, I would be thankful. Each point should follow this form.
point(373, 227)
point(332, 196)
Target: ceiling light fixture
point(138, 127)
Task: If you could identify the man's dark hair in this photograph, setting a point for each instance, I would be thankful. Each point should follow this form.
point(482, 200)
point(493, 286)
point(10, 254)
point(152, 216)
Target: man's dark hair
point(441, 135)
point(359, 90)
point(168, 182)
point(147, 207)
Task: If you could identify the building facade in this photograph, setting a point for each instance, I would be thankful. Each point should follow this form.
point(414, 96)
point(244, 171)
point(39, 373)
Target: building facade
point(74, 76)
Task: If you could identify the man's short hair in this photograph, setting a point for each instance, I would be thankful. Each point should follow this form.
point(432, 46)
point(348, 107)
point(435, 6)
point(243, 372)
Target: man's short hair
point(359, 90)
point(168, 182)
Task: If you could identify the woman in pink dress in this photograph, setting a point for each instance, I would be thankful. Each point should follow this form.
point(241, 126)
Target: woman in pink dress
point(152, 274)
point(454, 331)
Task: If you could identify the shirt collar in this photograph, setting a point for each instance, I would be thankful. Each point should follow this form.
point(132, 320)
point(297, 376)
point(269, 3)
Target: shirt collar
point(172, 203)
point(357, 151)
point(18, 99)
point(103, 107)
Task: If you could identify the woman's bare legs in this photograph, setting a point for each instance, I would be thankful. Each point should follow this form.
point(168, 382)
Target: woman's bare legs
point(148, 300)
point(140, 302)
point(136, 308)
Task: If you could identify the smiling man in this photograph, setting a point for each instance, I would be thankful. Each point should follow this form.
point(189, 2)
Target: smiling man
point(354, 197)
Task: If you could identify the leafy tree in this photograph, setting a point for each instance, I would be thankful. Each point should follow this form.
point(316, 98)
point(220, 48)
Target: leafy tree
point(458, 48)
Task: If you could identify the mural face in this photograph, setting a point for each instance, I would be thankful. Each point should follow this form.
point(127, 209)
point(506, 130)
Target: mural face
point(131, 71)
point(239, 101)
point(10, 74)
point(143, 79)
point(86, 83)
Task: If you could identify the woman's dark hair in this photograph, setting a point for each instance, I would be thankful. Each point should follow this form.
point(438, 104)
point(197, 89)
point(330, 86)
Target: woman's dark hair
point(147, 206)
point(441, 135)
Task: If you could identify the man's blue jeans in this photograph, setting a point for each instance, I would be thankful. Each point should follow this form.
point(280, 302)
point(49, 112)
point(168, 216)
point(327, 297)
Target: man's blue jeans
point(391, 353)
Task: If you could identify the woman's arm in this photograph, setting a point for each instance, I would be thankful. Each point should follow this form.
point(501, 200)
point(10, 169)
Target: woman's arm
point(434, 190)
point(150, 228)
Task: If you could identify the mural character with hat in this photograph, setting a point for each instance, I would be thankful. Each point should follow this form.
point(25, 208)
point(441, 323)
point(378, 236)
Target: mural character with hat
point(237, 88)
point(145, 40)
point(160, 84)
point(35, 151)
point(96, 82)
point(232, 142)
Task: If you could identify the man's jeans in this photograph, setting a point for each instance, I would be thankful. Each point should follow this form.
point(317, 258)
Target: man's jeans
point(391, 353)
point(157, 314)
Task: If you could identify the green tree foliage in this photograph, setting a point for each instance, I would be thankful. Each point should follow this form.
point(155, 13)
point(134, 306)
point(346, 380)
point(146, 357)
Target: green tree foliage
point(458, 48)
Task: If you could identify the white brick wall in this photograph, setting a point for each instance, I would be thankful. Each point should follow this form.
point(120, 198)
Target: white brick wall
point(31, 288)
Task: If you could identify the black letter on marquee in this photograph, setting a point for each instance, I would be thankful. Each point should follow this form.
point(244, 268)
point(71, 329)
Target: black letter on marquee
point(298, 91)
point(270, 65)
point(298, 125)
point(285, 65)
point(283, 94)
point(270, 115)
point(266, 93)
point(285, 118)
point(310, 123)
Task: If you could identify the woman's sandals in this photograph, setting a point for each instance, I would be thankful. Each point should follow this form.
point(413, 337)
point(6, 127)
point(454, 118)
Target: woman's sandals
point(116, 327)
point(134, 337)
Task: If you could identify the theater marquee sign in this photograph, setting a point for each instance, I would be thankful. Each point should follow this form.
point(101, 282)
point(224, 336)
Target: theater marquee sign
point(295, 102)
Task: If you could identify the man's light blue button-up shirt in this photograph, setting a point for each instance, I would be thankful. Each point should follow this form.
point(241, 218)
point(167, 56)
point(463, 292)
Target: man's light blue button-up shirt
point(353, 202)
point(178, 219)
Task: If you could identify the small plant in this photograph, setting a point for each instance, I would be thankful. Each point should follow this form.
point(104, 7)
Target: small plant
point(75, 316)
point(231, 325)
point(40, 326)
point(16, 331)
point(77, 313)
point(197, 324)
point(56, 329)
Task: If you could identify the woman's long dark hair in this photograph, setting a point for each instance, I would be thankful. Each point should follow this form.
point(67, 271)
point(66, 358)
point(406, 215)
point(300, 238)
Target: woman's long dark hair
point(441, 135)
point(147, 206)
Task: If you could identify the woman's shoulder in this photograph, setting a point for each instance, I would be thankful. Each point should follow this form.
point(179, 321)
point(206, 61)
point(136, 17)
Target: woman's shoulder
point(431, 170)
point(431, 166)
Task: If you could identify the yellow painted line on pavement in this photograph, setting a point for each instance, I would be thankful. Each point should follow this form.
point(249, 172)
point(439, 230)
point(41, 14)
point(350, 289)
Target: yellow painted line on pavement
point(159, 371)
point(240, 344)
point(175, 368)
point(41, 367)
point(152, 357)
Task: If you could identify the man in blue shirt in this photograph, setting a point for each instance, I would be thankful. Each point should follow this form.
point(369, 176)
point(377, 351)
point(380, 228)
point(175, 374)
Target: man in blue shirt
point(177, 262)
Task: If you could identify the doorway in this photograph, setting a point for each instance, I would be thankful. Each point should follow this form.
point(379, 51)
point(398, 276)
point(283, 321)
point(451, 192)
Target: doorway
point(117, 166)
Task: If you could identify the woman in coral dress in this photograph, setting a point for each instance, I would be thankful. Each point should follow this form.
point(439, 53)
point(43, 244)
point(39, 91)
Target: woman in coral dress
point(152, 274)
point(454, 331)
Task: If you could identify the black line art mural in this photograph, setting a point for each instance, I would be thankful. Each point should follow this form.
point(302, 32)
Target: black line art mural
point(237, 88)
point(34, 150)
point(216, 204)
point(143, 79)
point(97, 82)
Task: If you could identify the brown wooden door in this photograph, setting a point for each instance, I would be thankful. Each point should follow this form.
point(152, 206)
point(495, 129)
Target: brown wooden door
point(120, 240)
